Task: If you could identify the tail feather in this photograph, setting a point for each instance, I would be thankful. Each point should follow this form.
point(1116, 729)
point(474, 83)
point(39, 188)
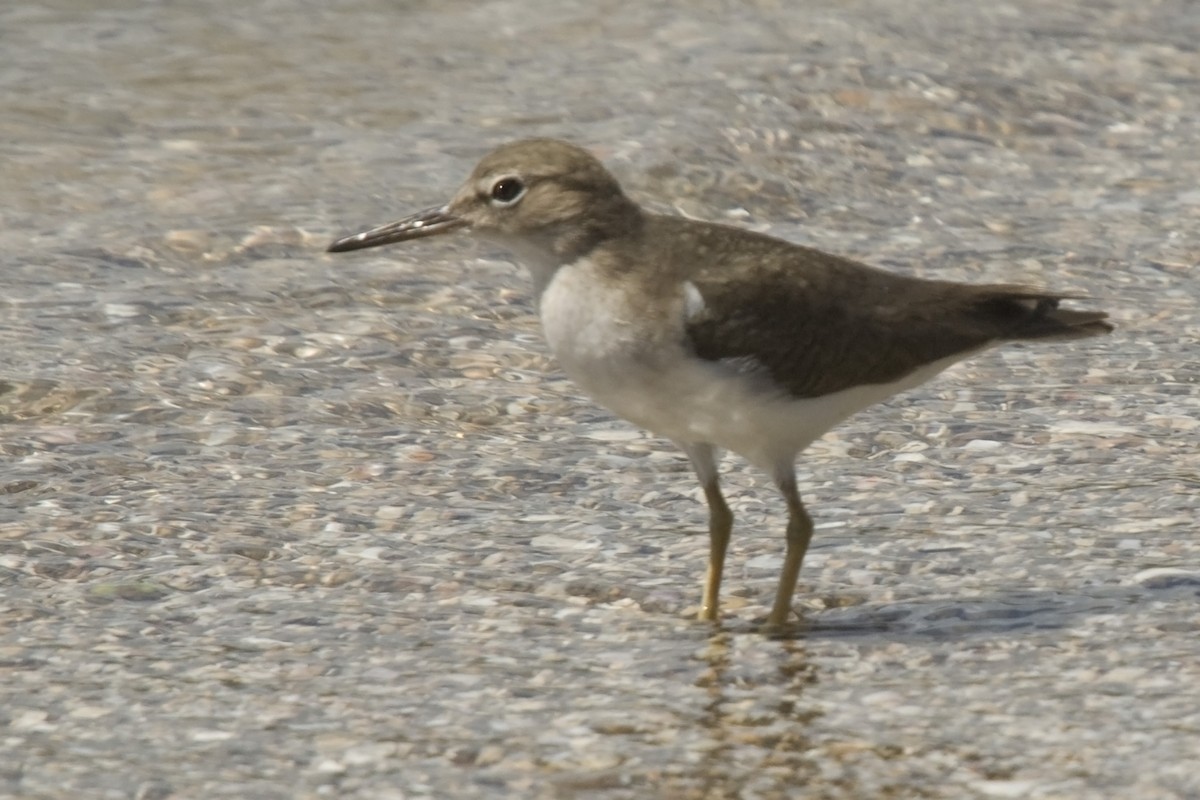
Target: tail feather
point(1030, 314)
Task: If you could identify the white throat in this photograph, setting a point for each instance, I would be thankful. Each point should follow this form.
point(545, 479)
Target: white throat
point(541, 261)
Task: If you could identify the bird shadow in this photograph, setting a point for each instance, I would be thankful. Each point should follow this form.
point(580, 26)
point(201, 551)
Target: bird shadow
point(1002, 614)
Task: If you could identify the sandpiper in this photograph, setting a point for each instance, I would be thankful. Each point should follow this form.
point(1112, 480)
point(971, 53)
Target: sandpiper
point(718, 337)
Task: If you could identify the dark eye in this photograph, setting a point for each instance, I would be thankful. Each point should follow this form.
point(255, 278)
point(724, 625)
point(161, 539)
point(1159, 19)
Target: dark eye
point(507, 190)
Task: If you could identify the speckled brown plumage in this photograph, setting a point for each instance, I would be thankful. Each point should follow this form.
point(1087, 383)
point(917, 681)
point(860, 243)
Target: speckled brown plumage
point(818, 323)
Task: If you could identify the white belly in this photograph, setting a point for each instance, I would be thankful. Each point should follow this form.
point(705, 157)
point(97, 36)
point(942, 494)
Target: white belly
point(643, 371)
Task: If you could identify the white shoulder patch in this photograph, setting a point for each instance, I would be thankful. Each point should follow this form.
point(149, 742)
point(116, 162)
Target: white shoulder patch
point(693, 301)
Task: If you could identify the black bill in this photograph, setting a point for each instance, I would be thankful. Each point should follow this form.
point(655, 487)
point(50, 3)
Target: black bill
point(429, 222)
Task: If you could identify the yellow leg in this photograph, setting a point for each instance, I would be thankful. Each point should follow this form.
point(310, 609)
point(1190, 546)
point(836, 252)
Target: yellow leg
point(799, 533)
point(720, 523)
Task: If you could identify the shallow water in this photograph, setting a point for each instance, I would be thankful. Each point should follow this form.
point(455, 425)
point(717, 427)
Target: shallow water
point(275, 523)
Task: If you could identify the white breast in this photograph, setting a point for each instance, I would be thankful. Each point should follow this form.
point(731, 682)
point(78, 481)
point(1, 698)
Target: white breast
point(594, 333)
